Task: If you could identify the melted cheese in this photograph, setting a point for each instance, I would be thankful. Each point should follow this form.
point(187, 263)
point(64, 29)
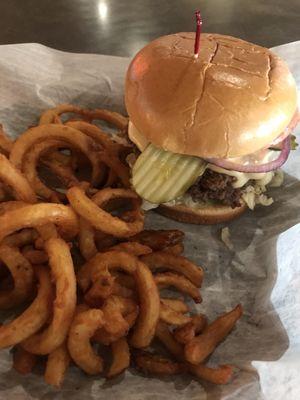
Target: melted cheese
point(242, 178)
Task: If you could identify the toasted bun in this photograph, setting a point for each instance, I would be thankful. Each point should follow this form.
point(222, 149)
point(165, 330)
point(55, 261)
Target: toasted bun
point(202, 216)
point(232, 100)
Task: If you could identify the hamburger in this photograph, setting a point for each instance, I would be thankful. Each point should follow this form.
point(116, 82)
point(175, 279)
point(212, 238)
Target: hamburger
point(211, 132)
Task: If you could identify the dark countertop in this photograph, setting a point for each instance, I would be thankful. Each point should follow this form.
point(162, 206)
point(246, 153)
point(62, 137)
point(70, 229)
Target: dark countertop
point(121, 27)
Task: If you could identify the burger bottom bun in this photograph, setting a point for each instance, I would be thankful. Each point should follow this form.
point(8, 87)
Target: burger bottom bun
point(202, 216)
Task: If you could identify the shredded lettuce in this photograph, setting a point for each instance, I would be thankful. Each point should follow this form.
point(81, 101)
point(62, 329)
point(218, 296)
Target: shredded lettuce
point(293, 143)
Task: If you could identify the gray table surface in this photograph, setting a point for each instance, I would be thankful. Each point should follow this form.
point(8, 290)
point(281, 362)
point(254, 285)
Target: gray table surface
point(121, 27)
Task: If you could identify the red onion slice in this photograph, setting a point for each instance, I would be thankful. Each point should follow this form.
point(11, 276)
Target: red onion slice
point(253, 168)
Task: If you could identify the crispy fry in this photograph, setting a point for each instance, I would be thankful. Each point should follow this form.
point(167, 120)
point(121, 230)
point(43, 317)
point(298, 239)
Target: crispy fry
point(12, 177)
point(220, 375)
point(64, 173)
point(91, 210)
point(125, 280)
point(103, 240)
point(62, 158)
point(176, 249)
point(113, 118)
point(57, 364)
point(176, 263)
point(52, 116)
point(22, 273)
point(87, 244)
point(34, 256)
point(176, 305)
point(182, 284)
point(69, 135)
point(170, 316)
point(95, 133)
point(114, 321)
point(22, 238)
point(62, 271)
point(32, 216)
point(164, 335)
point(47, 231)
point(101, 262)
point(144, 329)
point(3, 192)
point(82, 329)
point(199, 348)
point(123, 291)
point(121, 358)
point(103, 337)
point(11, 206)
point(158, 239)
point(120, 169)
point(31, 162)
point(135, 248)
point(187, 332)
point(23, 362)
point(70, 160)
point(33, 318)
point(157, 365)
point(101, 289)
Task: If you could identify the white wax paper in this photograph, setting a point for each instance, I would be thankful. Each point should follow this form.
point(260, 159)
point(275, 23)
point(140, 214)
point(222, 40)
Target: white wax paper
point(262, 273)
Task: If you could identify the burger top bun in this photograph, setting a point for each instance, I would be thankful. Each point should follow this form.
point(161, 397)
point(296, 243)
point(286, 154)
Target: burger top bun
point(232, 100)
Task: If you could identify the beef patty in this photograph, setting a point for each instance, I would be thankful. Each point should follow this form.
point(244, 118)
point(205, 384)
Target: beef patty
point(218, 187)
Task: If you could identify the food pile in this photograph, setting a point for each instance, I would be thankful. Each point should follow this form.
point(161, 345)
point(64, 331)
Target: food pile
point(74, 254)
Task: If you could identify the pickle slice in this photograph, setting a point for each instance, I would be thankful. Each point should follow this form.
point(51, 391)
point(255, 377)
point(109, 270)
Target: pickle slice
point(160, 176)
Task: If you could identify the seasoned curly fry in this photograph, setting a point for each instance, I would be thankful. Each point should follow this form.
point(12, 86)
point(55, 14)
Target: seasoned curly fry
point(121, 357)
point(95, 133)
point(183, 285)
point(199, 348)
point(160, 239)
point(176, 305)
point(87, 244)
point(69, 135)
point(82, 329)
point(36, 215)
point(22, 238)
point(157, 365)
point(220, 375)
point(176, 263)
point(176, 249)
point(170, 316)
point(22, 273)
point(186, 333)
point(53, 115)
point(31, 161)
point(13, 178)
point(65, 197)
point(57, 364)
point(23, 362)
point(62, 271)
point(144, 329)
point(33, 318)
point(34, 256)
point(91, 210)
point(115, 322)
point(101, 262)
point(135, 248)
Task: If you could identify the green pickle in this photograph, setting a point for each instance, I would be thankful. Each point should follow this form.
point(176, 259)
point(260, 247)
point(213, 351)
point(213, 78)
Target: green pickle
point(160, 176)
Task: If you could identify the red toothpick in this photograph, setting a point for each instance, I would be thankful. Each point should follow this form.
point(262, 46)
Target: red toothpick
point(198, 33)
